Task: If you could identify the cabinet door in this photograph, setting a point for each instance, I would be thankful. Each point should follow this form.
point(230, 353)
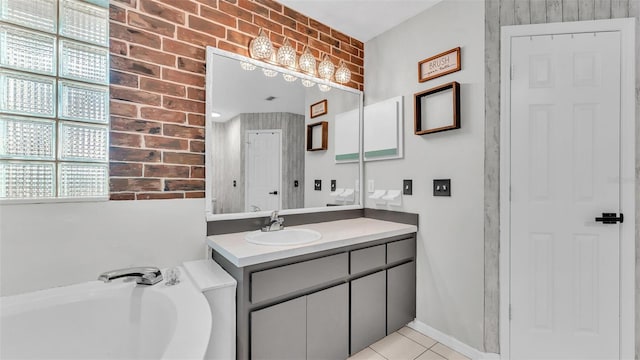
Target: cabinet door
point(401, 296)
point(278, 332)
point(368, 320)
point(328, 324)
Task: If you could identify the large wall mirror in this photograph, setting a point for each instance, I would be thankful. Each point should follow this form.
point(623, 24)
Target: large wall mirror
point(258, 128)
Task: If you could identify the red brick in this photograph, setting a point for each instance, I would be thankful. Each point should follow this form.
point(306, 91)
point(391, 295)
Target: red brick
point(271, 4)
point(235, 11)
point(159, 196)
point(191, 65)
point(340, 54)
point(292, 34)
point(357, 60)
point(319, 45)
point(124, 139)
point(186, 5)
point(134, 66)
point(125, 169)
point(163, 87)
point(210, 3)
point(197, 38)
point(349, 48)
point(122, 196)
point(131, 3)
point(117, 47)
point(253, 7)
point(295, 15)
point(216, 16)
point(329, 40)
point(130, 34)
point(281, 19)
point(162, 115)
point(196, 146)
point(267, 24)
point(180, 48)
point(183, 185)
point(123, 79)
point(153, 56)
point(315, 24)
point(183, 105)
point(126, 154)
point(152, 24)
point(238, 37)
point(240, 50)
point(197, 172)
point(135, 96)
point(185, 132)
point(194, 194)
point(117, 13)
point(276, 38)
point(166, 171)
point(340, 36)
point(196, 94)
point(128, 184)
point(357, 43)
point(307, 30)
point(206, 26)
point(196, 119)
point(135, 125)
point(248, 28)
point(152, 7)
point(183, 77)
point(183, 158)
point(164, 143)
point(122, 109)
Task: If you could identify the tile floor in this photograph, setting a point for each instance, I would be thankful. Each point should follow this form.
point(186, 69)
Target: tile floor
point(408, 344)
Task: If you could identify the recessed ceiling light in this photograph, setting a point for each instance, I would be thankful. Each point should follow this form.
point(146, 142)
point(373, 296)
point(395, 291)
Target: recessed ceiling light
point(215, 114)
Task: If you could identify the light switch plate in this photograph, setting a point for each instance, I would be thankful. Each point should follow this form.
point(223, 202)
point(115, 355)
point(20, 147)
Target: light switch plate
point(407, 187)
point(317, 185)
point(442, 187)
point(333, 185)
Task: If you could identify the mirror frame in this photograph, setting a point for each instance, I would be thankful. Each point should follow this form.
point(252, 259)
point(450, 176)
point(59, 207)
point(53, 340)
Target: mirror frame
point(209, 171)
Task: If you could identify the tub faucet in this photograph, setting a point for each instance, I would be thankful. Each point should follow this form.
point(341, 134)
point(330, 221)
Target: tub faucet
point(147, 275)
point(275, 223)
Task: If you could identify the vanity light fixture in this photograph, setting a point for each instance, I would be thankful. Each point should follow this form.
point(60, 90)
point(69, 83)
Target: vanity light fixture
point(324, 88)
point(272, 60)
point(307, 83)
point(261, 46)
point(307, 62)
point(343, 75)
point(289, 77)
point(326, 68)
point(247, 66)
point(287, 54)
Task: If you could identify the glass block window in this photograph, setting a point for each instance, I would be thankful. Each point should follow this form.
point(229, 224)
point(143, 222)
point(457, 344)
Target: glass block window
point(54, 99)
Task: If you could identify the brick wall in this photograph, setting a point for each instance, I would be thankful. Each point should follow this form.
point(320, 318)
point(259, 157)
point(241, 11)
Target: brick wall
point(157, 82)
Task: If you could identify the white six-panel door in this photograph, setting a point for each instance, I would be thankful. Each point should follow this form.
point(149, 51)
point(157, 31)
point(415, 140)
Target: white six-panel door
point(263, 169)
point(565, 172)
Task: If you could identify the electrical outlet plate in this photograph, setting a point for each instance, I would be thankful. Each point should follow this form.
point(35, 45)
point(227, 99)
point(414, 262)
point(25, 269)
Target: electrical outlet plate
point(442, 187)
point(317, 185)
point(407, 187)
point(333, 185)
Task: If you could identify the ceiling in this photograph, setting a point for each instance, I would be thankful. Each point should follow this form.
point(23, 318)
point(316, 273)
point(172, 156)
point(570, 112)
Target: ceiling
point(372, 17)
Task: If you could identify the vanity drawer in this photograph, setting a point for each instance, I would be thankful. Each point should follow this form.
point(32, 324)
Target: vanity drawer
point(367, 259)
point(401, 250)
point(267, 284)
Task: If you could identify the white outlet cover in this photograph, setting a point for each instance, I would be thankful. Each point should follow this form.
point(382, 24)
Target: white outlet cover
point(370, 186)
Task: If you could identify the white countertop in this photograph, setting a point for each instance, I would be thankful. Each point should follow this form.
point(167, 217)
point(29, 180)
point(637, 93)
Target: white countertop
point(335, 234)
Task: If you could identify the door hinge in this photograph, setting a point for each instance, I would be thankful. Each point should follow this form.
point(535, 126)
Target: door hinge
point(510, 316)
point(511, 72)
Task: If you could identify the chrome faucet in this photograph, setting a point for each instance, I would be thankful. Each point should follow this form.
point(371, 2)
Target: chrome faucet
point(147, 275)
point(275, 223)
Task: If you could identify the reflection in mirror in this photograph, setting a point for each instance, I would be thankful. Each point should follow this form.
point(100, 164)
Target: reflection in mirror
point(256, 131)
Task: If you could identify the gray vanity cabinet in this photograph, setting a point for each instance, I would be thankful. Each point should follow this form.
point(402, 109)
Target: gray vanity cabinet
point(315, 326)
point(401, 296)
point(368, 308)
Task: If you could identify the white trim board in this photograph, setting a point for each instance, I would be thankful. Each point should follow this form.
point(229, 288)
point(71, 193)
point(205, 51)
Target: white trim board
point(626, 27)
point(451, 342)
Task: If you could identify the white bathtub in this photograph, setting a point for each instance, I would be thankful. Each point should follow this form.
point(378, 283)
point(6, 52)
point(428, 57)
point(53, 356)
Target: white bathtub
point(96, 320)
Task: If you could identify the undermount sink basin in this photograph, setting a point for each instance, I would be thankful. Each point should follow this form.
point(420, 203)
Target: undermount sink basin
point(283, 237)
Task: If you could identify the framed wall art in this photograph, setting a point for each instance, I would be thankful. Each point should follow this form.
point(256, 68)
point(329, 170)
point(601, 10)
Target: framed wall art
point(439, 65)
point(318, 109)
point(437, 109)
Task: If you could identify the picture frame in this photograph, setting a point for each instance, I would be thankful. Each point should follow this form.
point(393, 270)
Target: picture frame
point(318, 109)
point(439, 65)
point(445, 108)
point(323, 127)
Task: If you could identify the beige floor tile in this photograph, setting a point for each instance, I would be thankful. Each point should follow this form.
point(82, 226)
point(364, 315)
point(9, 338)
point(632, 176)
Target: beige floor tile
point(430, 355)
point(367, 354)
point(421, 339)
point(448, 353)
point(398, 347)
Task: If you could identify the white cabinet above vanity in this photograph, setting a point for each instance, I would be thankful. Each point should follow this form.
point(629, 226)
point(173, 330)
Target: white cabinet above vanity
point(325, 299)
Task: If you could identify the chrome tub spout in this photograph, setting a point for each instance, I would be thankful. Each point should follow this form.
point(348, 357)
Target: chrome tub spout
point(147, 275)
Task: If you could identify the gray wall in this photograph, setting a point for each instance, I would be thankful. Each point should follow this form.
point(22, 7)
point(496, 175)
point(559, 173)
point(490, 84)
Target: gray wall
point(229, 155)
point(450, 284)
point(519, 12)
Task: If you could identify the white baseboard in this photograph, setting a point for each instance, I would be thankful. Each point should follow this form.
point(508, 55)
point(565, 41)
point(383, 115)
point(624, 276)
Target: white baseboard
point(452, 342)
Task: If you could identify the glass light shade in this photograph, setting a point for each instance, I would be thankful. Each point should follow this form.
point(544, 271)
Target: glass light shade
point(247, 66)
point(269, 72)
point(307, 62)
point(272, 60)
point(261, 46)
point(287, 54)
point(307, 83)
point(324, 88)
point(289, 78)
point(343, 74)
point(326, 68)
